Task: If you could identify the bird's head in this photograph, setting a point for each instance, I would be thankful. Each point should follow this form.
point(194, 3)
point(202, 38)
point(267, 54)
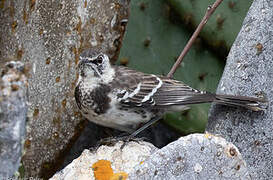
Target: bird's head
point(93, 64)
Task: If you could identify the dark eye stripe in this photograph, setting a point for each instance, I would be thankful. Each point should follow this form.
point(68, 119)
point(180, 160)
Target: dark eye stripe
point(95, 61)
point(98, 60)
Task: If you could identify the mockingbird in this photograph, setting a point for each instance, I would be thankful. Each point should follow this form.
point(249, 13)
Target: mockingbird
point(125, 99)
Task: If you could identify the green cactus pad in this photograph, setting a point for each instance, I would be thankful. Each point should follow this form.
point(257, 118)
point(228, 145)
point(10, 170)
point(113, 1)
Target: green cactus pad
point(223, 26)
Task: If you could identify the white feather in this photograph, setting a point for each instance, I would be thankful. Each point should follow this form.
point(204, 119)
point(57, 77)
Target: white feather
point(147, 97)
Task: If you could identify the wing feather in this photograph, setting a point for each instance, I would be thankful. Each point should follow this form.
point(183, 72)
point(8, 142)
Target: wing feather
point(140, 89)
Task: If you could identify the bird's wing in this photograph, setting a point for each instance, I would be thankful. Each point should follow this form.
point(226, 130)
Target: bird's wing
point(173, 92)
point(135, 88)
point(147, 90)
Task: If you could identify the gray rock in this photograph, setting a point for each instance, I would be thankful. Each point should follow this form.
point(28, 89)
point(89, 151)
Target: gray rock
point(249, 72)
point(197, 156)
point(49, 36)
point(108, 158)
point(13, 114)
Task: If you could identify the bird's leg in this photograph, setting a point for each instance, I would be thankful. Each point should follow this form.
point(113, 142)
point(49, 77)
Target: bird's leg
point(149, 123)
point(132, 137)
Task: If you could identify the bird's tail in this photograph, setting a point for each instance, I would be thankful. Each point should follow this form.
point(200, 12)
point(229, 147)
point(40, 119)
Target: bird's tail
point(254, 104)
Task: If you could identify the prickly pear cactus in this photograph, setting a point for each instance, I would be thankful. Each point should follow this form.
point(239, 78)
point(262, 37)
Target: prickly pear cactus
point(152, 43)
point(223, 26)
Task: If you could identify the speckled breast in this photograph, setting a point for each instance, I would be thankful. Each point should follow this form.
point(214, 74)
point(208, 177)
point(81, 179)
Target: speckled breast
point(96, 100)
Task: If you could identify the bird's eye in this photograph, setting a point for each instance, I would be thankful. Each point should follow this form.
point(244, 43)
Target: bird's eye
point(99, 59)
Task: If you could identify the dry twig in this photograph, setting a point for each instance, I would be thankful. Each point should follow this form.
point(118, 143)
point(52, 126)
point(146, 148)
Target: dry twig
point(209, 12)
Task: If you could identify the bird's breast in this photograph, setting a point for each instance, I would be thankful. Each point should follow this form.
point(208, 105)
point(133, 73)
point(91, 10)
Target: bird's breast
point(93, 98)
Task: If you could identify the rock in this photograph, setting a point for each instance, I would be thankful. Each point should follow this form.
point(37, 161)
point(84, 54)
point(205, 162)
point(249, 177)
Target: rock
point(49, 36)
point(158, 134)
point(249, 72)
point(13, 115)
point(110, 161)
point(196, 156)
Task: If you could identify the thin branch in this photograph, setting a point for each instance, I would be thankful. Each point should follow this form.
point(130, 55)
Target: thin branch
point(209, 12)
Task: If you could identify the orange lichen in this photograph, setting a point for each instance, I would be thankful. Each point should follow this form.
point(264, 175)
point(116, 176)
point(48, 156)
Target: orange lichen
point(207, 135)
point(25, 16)
point(41, 31)
point(20, 53)
point(58, 79)
point(14, 87)
point(64, 103)
point(36, 112)
point(32, 4)
point(76, 113)
point(27, 143)
point(13, 26)
point(48, 60)
point(103, 171)
point(78, 27)
point(259, 48)
point(76, 52)
point(92, 20)
point(68, 33)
